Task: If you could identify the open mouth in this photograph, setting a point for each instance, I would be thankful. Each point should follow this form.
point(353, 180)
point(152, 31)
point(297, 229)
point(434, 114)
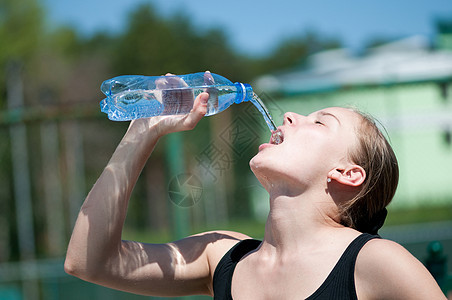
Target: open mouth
point(277, 137)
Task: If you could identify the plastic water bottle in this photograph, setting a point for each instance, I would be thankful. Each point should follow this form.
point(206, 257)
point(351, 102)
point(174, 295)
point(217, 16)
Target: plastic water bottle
point(133, 96)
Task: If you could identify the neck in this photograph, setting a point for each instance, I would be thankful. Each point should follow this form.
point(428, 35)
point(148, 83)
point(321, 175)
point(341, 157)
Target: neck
point(296, 221)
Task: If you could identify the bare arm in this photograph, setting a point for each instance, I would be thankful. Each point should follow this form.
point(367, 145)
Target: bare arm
point(386, 270)
point(96, 252)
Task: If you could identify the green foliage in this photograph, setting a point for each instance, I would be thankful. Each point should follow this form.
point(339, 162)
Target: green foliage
point(420, 214)
point(21, 23)
point(153, 45)
point(292, 51)
point(66, 42)
point(20, 29)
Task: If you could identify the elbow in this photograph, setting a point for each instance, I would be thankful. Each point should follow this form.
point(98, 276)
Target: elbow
point(70, 267)
point(80, 269)
point(75, 268)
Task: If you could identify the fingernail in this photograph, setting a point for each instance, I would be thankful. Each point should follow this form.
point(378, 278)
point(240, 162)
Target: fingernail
point(204, 98)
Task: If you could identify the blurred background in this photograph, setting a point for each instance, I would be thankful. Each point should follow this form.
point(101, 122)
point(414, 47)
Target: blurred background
point(391, 60)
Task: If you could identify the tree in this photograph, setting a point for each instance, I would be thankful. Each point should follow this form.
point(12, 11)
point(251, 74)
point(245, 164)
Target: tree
point(21, 27)
point(153, 45)
point(21, 23)
point(292, 52)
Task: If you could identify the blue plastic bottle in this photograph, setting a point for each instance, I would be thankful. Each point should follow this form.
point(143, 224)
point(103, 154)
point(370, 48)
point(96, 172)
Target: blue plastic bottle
point(133, 96)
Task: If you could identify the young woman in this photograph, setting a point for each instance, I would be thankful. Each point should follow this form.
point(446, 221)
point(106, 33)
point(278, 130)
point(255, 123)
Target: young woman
point(329, 182)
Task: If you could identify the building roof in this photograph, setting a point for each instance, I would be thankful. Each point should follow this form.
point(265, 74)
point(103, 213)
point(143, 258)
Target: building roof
point(403, 61)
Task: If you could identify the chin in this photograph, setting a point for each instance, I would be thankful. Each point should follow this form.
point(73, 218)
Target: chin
point(262, 168)
point(260, 176)
point(255, 163)
point(262, 161)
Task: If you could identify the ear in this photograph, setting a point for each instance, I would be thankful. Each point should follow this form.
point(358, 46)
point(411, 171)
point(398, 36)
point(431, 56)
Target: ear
point(353, 175)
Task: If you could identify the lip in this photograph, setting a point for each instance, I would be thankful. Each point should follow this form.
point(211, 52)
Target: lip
point(270, 143)
point(265, 145)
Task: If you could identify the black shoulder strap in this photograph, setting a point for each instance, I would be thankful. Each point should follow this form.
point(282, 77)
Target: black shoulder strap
point(340, 283)
point(225, 269)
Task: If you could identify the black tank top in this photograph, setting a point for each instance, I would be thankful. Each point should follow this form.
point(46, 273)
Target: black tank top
point(340, 283)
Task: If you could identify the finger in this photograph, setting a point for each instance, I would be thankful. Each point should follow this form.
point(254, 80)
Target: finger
point(208, 78)
point(161, 83)
point(198, 111)
point(213, 92)
point(175, 81)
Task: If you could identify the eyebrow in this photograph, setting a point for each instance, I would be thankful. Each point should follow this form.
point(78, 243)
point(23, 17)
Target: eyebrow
point(323, 113)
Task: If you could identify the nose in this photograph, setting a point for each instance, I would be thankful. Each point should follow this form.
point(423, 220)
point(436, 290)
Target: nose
point(291, 118)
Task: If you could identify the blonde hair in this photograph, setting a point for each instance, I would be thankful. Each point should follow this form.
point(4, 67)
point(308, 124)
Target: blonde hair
point(375, 155)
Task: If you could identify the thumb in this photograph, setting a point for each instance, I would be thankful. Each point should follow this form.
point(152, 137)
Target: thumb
point(198, 111)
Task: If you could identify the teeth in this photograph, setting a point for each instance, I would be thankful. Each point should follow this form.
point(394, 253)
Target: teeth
point(277, 137)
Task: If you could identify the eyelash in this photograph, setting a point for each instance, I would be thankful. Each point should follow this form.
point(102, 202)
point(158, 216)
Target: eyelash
point(318, 122)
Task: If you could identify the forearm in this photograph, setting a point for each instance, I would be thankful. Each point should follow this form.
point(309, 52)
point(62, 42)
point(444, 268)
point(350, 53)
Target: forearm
point(96, 252)
point(97, 233)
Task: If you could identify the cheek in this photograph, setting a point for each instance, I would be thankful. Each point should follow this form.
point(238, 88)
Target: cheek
point(314, 154)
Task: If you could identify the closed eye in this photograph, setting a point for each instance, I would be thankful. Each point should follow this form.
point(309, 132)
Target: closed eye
point(318, 122)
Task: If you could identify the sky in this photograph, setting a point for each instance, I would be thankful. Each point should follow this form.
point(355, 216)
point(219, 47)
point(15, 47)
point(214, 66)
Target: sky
point(255, 27)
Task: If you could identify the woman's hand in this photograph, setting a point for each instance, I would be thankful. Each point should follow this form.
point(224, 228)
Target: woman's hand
point(168, 124)
point(172, 122)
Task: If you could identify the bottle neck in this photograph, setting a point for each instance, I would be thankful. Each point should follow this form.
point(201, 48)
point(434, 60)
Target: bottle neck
point(244, 92)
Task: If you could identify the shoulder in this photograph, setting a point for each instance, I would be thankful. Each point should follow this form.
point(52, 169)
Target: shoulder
point(221, 242)
point(382, 249)
point(212, 243)
point(387, 270)
point(215, 243)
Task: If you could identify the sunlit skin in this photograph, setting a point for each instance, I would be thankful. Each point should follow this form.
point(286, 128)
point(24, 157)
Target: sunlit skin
point(303, 236)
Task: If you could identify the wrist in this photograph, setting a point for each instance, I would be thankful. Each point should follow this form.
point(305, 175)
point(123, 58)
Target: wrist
point(136, 145)
point(143, 130)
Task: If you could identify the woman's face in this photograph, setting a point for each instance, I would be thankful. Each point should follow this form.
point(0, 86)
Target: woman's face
point(312, 146)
